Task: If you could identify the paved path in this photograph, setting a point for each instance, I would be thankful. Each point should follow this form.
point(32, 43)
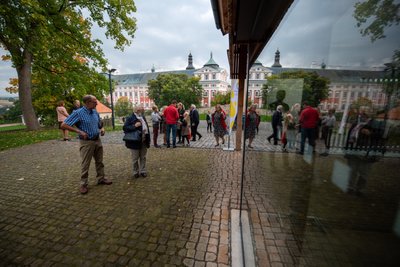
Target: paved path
point(179, 215)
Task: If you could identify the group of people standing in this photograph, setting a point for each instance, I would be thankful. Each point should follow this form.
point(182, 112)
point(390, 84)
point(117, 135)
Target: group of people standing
point(306, 121)
point(176, 121)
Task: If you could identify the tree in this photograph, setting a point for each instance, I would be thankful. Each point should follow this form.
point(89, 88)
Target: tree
point(373, 16)
point(221, 98)
point(315, 87)
point(180, 87)
point(51, 47)
point(123, 107)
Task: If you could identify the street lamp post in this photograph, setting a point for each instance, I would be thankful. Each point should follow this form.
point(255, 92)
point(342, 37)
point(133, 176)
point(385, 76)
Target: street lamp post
point(110, 71)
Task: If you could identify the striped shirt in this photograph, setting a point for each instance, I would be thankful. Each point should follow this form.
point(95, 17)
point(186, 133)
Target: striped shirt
point(86, 120)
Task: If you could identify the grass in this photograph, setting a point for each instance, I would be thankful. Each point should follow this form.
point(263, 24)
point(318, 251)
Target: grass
point(12, 128)
point(15, 136)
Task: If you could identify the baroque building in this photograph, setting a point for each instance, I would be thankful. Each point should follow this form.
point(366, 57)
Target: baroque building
point(346, 86)
point(213, 79)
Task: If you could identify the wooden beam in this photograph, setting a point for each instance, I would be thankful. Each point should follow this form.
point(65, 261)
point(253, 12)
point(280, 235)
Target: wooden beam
point(242, 51)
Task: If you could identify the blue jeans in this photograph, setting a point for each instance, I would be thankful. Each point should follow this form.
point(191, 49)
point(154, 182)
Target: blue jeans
point(173, 128)
point(308, 133)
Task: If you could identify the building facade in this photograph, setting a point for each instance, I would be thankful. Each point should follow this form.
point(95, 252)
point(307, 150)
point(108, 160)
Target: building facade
point(346, 86)
point(213, 79)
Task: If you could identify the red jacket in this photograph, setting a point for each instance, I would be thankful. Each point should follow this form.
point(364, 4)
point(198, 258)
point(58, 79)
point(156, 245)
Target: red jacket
point(309, 118)
point(171, 114)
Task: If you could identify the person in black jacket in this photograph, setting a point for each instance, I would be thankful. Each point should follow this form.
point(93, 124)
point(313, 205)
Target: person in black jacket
point(194, 120)
point(137, 122)
point(276, 124)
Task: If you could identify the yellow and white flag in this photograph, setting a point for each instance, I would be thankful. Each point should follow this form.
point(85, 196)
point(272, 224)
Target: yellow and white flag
point(234, 104)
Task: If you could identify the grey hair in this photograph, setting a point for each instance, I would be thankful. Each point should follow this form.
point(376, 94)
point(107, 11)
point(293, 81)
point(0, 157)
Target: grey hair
point(87, 98)
point(193, 105)
point(138, 107)
point(279, 107)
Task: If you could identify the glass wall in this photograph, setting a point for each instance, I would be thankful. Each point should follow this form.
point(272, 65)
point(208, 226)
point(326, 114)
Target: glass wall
point(321, 182)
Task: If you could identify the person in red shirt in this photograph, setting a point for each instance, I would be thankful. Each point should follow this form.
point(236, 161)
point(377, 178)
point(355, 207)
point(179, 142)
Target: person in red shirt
point(171, 116)
point(309, 117)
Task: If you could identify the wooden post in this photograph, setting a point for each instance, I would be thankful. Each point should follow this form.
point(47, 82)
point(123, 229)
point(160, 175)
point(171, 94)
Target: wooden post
point(242, 76)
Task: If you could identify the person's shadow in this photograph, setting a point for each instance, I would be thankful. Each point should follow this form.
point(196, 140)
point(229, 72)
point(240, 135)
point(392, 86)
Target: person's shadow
point(280, 96)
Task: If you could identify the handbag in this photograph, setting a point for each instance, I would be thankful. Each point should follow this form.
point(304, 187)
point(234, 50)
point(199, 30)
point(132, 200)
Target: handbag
point(135, 136)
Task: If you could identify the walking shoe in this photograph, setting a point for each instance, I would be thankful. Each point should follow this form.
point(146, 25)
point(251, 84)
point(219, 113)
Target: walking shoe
point(200, 137)
point(104, 181)
point(269, 140)
point(143, 174)
point(136, 175)
point(173, 146)
point(83, 189)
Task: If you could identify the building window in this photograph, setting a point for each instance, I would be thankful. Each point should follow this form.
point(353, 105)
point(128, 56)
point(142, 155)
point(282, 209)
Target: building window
point(213, 93)
point(257, 76)
point(206, 77)
point(214, 76)
point(257, 93)
point(205, 93)
point(344, 94)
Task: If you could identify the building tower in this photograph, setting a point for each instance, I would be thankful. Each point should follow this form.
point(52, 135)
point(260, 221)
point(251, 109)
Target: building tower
point(211, 63)
point(153, 69)
point(277, 58)
point(190, 62)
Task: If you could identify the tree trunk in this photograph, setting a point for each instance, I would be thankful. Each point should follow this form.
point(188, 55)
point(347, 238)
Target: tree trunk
point(25, 91)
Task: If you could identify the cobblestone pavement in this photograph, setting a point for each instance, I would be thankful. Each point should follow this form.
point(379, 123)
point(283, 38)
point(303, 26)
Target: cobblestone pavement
point(179, 215)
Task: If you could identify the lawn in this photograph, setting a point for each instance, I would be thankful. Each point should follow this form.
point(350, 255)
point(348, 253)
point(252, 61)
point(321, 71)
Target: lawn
point(11, 137)
point(12, 127)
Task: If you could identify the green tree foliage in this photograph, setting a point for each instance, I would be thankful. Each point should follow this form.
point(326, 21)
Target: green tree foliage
point(123, 107)
point(179, 87)
point(315, 87)
point(52, 49)
point(221, 98)
point(374, 16)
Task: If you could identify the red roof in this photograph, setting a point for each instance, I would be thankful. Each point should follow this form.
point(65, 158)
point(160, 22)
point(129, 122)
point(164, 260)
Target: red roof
point(393, 114)
point(101, 108)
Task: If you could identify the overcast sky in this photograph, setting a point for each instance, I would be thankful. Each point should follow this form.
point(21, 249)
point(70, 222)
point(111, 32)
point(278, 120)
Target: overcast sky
point(312, 31)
